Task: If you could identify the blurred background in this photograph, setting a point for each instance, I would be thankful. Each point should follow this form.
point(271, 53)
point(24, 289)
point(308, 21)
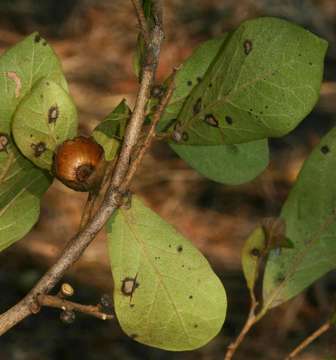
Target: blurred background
point(95, 40)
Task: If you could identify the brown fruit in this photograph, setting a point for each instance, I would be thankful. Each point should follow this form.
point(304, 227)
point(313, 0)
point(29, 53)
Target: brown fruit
point(79, 163)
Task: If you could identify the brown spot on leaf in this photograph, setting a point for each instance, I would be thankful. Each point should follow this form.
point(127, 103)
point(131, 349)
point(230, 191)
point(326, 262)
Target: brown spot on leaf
point(44, 43)
point(53, 114)
point(195, 326)
point(211, 120)
point(229, 120)
point(189, 82)
point(37, 38)
point(129, 285)
point(255, 252)
point(199, 79)
point(247, 46)
point(179, 248)
point(325, 149)
point(39, 148)
point(197, 107)
point(190, 297)
point(18, 85)
point(4, 140)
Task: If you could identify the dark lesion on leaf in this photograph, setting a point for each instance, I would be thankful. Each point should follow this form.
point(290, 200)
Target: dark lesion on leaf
point(53, 114)
point(229, 120)
point(197, 107)
point(191, 297)
point(247, 46)
point(211, 120)
point(39, 148)
point(37, 38)
point(255, 252)
point(129, 285)
point(4, 141)
point(280, 278)
point(199, 79)
point(325, 149)
point(189, 83)
point(179, 248)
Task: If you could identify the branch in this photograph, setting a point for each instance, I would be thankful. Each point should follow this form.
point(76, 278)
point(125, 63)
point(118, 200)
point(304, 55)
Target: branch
point(324, 328)
point(251, 320)
point(141, 20)
point(113, 197)
point(66, 305)
point(151, 132)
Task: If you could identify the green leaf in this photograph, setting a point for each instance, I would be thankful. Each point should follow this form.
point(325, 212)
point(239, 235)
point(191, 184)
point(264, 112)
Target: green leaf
point(190, 74)
point(111, 130)
point(309, 214)
point(21, 187)
point(44, 119)
point(227, 164)
point(252, 252)
point(264, 81)
point(165, 292)
point(21, 67)
point(21, 183)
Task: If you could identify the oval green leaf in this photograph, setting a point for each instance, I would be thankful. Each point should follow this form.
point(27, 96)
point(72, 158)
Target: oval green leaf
point(21, 187)
point(264, 81)
point(310, 217)
point(21, 67)
point(228, 164)
point(44, 119)
point(165, 293)
point(21, 183)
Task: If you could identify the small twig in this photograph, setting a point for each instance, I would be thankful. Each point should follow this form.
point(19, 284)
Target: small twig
point(251, 320)
point(321, 330)
point(141, 20)
point(151, 131)
point(59, 303)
